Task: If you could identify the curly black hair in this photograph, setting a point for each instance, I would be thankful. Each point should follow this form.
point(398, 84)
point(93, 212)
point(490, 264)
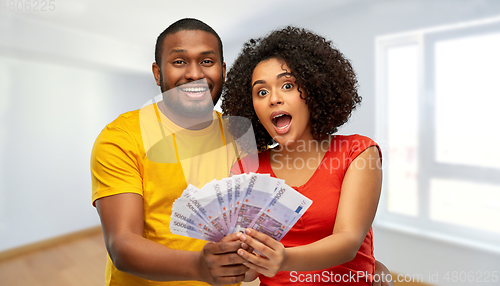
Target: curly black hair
point(318, 67)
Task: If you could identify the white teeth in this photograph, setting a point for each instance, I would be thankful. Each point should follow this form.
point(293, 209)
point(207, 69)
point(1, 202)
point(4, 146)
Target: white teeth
point(275, 118)
point(194, 89)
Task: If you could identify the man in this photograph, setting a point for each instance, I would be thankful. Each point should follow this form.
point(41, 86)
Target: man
point(141, 163)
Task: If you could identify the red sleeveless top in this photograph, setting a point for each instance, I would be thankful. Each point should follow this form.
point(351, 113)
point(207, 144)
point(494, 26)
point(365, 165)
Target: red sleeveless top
point(323, 188)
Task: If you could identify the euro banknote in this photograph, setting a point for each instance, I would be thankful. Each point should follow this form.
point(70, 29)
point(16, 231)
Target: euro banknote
point(233, 204)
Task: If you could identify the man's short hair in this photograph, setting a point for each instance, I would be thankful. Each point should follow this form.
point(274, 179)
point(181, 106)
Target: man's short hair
point(186, 24)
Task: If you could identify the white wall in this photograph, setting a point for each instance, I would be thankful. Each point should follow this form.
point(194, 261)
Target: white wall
point(58, 89)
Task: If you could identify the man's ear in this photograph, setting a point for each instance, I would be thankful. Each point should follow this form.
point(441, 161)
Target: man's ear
point(157, 73)
point(223, 72)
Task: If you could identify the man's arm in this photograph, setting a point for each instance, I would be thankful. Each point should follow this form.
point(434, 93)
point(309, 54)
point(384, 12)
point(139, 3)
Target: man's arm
point(122, 223)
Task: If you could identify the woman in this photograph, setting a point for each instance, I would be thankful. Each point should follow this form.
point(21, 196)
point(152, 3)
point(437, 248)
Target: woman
point(297, 89)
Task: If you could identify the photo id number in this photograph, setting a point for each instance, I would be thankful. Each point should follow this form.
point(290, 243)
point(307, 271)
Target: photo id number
point(28, 5)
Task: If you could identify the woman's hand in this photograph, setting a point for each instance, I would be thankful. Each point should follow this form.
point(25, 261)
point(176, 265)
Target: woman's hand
point(273, 253)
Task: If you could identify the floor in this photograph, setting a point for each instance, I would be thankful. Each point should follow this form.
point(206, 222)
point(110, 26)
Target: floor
point(79, 262)
point(76, 263)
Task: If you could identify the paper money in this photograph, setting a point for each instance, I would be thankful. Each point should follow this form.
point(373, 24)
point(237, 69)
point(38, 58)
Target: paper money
point(286, 207)
point(226, 185)
point(190, 216)
point(185, 210)
point(209, 201)
point(233, 204)
point(258, 194)
point(238, 194)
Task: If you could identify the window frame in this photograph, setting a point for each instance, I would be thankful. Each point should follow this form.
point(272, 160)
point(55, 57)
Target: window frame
point(428, 166)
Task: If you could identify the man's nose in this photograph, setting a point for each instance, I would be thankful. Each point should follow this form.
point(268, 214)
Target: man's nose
point(194, 72)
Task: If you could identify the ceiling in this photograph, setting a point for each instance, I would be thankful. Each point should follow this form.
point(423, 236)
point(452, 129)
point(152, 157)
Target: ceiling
point(140, 22)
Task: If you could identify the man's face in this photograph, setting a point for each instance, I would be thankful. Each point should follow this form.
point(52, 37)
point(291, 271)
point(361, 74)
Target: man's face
point(191, 72)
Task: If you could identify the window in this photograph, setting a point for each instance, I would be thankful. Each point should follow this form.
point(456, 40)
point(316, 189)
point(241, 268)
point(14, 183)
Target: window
point(438, 121)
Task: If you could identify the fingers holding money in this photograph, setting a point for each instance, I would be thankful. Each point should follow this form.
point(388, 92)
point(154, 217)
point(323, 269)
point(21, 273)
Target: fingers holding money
point(231, 237)
point(236, 237)
point(273, 253)
point(220, 264)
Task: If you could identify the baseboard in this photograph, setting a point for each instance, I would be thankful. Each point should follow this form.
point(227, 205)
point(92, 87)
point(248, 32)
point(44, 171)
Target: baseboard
point(11, 253)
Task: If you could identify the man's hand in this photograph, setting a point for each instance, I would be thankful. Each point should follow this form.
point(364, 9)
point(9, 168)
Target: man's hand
point(219, 262)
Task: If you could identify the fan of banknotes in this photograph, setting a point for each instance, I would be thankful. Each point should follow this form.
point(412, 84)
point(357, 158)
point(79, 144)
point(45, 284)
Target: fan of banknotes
point(233, 204)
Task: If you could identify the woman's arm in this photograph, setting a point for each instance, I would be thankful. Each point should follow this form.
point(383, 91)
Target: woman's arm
point(357, 207)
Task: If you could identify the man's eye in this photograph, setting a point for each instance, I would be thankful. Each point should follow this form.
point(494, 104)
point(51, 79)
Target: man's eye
point(262, 93)
point(287, 86)
point(207, 62)
point(178, 62)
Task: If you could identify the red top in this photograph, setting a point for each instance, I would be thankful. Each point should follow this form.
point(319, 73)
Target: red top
point(323, 188)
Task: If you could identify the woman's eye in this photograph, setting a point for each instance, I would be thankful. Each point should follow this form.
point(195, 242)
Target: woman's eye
point(287, 86)
point(262, 93)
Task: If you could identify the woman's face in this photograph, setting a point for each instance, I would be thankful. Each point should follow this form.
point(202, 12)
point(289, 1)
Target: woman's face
point(278, 104)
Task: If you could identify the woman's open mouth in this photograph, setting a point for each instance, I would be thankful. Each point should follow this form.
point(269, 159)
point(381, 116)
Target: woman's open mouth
point(281, 121)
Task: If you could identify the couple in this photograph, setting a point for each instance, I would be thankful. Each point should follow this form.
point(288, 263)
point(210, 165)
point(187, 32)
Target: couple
point(296, 90)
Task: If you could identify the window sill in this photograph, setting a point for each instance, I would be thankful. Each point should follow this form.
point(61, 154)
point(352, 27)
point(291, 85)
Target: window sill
point(489, 248)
